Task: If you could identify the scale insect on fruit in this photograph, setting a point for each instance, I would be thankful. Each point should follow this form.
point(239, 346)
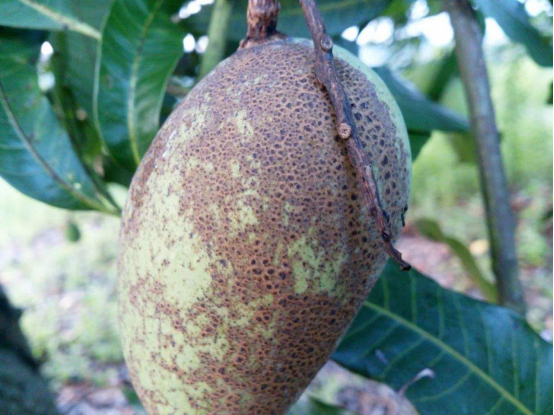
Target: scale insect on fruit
point(257, 223)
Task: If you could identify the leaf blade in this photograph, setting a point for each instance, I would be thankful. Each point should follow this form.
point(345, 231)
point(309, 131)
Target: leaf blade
point(139, 50)
point(420, 113)
point(47, 15)
point(32, 139)
point(432, 230)
point(445, 331)
point(514, 21)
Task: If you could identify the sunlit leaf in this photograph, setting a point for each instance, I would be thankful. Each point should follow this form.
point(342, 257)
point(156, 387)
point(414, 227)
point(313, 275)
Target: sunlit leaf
point(139, 50)
point(73, 15)
point(514, 20)
point(451, 354)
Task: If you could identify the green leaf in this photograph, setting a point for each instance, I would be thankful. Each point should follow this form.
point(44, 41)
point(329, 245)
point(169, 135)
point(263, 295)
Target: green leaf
point(139, 50)
point(36, 154)
point(77, 55)
point(420, 113)
point(485, 359)
point(514, 20)
point(337, 15)
point(51, 15)
point(433, 78)
point(432, 230)
point(417, 141)
point(312, 406)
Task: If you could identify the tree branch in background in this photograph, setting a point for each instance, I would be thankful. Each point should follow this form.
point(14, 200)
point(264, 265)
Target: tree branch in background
point(327, 75)
point(500, 220)
point(217, 36)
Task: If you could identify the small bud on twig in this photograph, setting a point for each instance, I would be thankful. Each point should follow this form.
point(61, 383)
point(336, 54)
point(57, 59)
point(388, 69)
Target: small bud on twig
point(327, 75)
point(326, 43)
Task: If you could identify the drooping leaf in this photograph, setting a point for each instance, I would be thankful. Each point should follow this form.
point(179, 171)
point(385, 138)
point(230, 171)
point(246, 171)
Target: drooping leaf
point(36, 154)
point(312, 406)
point(432, 230)
point(482, 358)
point(139, 50)
point(420, 113)
point(51, 15)
point(514, 20)
point(337, 14)
point(433, 78)
point(417, 141)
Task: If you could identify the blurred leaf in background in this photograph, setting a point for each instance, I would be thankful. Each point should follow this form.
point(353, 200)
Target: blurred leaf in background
point(432, 230)
point(338, 15)
point(312, 406)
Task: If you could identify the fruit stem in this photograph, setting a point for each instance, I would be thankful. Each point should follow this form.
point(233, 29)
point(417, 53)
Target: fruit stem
point(261, 18)
point(327, 75)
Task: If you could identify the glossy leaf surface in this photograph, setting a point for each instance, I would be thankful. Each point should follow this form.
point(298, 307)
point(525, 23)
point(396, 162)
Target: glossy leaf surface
point(51, 15)
point(484, 359)
point(140, 48)
point(36, 154)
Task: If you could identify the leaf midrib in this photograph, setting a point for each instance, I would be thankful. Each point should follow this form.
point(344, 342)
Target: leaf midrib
point(453, 353)
point(133, 83)
point(67, 21)
point(39, 159)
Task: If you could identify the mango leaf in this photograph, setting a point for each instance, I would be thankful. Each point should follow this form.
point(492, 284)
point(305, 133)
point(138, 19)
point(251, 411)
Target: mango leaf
point(77, 55)
point(514, 20)
point(139, 50)
point(337, 14)
point(312, 406)
point(420, 113)
point(449, 353)
point(432, 230)
point(36, 154)
point(50, 15)
point(417, 141)
point(433, 78)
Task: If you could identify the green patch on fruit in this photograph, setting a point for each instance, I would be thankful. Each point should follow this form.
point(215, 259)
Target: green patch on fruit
point(312, 264)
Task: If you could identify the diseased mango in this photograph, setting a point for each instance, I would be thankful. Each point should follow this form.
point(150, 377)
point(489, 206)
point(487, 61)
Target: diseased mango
point(246, 250)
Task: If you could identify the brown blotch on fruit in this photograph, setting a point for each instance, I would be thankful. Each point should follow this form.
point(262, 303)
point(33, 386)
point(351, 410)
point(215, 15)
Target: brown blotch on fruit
point(246, 248)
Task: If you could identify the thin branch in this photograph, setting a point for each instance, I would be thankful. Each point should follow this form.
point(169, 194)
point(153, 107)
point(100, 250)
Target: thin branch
point(494, 185)
point(217, 36)
point(327, 75)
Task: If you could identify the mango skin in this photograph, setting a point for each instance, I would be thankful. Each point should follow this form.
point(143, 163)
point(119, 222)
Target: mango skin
point(245, 248)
